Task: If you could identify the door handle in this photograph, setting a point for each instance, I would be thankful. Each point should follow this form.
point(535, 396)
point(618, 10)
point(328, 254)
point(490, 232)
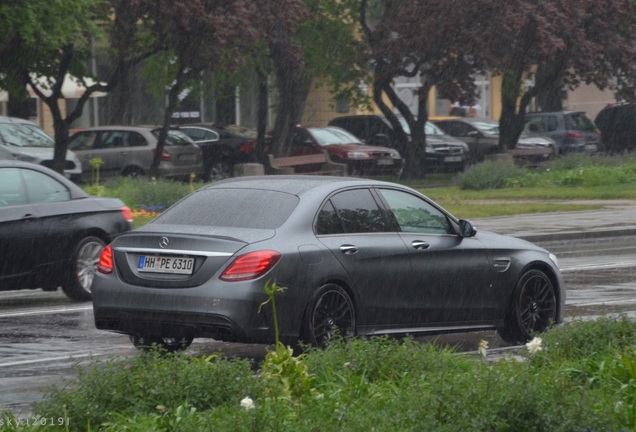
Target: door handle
point(348, 249)
point(420, 244)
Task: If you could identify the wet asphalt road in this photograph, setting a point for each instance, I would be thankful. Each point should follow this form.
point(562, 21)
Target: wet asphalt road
point(44, 336)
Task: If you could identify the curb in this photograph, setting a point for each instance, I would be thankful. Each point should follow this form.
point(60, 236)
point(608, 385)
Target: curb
point(577, 235)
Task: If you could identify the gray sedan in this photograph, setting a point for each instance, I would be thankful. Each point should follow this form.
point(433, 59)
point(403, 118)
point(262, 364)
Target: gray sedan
point(358, 257)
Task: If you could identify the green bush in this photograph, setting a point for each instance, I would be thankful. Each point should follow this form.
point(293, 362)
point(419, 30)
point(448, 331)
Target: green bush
point(489, 175)
point(583, 378)
point(138, 193)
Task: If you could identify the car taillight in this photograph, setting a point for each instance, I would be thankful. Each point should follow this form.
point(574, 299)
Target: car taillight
point(106, 261)
point(165, 156)
point(250, 266)
point(125, 211)
point(248, 147)
point(575, 135)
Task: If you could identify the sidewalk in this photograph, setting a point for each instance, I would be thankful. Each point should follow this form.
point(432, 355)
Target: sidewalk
point(616, 218)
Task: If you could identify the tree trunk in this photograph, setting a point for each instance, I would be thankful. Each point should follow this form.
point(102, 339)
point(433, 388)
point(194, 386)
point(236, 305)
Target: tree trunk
point(173, 101)
point(261, 116)
point(549, 79)
point(293, 83)
point(121, 100)
point(510, 123)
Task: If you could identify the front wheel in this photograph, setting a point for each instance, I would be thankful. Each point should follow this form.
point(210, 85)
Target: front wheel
point(329, 315)
point(533, 308)
point(170, 344)
point(83, 266)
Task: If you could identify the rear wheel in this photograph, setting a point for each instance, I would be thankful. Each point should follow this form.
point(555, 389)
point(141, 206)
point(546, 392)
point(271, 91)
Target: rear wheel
point(170, 344)
point(133, 172)
point(331, 314)
point(533, 308)
point(83, 267)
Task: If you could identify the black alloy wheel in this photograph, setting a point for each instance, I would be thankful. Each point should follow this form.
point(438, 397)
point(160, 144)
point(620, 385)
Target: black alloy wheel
point(534, 308)
point(330, 315)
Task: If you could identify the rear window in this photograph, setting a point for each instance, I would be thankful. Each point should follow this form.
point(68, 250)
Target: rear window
point(579, 121)
point(232, 208)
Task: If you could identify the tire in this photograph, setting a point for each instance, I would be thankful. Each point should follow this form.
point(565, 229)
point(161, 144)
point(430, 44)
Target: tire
point(169, 344)
point(533, 308)
point(331, 314)
point(83, 267)
point(133, 172)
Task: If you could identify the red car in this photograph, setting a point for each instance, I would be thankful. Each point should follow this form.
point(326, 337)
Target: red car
point(343, 147)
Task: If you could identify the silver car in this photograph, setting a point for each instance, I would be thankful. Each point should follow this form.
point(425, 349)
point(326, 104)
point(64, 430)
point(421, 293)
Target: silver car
point(23, 140)
point(129, 151)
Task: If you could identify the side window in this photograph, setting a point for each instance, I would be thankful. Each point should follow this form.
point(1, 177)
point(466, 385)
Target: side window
point(11, 188)
point(42, 188)
point(210, 136)
point(115, 139)
point(415, 215)
point(359, 212)
point(136, 139)
point(82, 141)
point(551, 123)
point(328, 221)
point(301, 139)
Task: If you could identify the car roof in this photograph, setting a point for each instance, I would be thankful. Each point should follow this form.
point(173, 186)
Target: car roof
point(294, 184)
point(126, 128)
point(76, 191)
point(539, 113)
point(15, 120)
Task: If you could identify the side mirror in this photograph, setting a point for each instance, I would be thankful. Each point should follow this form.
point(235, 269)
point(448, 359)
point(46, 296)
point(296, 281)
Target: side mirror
point(475, 134)
point(466, 228)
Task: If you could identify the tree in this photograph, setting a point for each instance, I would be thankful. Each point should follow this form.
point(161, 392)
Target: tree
point(50, 41)
point(432, 39)
point(567, 42)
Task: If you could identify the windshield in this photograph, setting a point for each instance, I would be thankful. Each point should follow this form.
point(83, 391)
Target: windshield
point(175, 137)
point(25, 135)
point(487, 127)
point(431, 129)
point(331, 136)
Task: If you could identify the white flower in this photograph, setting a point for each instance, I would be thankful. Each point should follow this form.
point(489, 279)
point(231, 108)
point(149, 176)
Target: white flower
point(534, 345)
point(247, 403)
point(483, 346)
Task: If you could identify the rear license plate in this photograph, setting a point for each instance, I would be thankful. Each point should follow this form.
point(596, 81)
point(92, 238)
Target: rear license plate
point(188, 158)
point(453, 159)
point(385, 161)
point(161, 264)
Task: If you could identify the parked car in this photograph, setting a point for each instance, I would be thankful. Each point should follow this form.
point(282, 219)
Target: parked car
point(617, 124)
point(572, 131)
point(51, 232)
point(344, 147)
point(357, 257)
point(482, 136)
point(22, 140)
point(129, 151)
point(442, 151)
point(222, 146)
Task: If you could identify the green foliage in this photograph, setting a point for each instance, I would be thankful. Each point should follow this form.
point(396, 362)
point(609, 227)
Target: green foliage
point(489, 175)
point(568, 171)
point(584, 378)
point(285, 376)
point(142, 192)
point(155, 383)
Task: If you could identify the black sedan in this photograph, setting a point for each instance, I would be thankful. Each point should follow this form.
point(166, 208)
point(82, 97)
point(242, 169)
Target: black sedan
point(51, 232)
point(358, 257)
point(222, 147)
